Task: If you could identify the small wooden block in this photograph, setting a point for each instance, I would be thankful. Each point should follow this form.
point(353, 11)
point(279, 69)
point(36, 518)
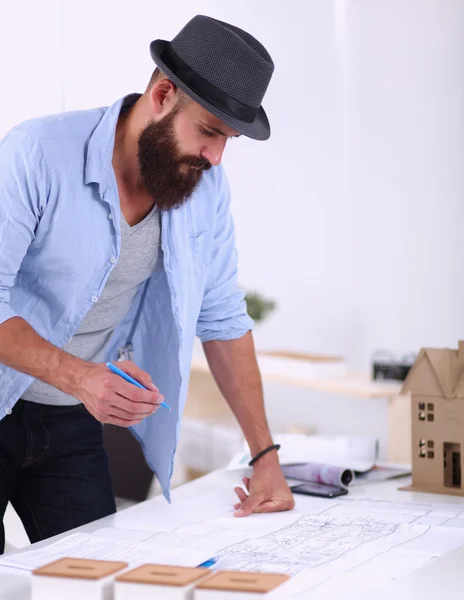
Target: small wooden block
point(238, 581)
point(164, 575)
point(79, 568)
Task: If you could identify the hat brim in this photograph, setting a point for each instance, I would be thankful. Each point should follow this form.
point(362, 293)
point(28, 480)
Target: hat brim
point(259, 129)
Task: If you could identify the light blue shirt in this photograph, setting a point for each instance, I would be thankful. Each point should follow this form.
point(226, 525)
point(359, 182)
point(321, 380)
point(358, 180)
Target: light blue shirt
point(59, 235)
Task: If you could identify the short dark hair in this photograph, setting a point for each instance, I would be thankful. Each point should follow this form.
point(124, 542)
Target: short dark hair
point(157, 74)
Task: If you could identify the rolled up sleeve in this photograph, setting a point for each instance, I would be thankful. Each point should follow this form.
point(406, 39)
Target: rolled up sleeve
point(223, 314)
point(23, 193)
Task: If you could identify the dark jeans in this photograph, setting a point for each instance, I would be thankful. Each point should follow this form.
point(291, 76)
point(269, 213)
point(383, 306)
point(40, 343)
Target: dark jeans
point(53, 469)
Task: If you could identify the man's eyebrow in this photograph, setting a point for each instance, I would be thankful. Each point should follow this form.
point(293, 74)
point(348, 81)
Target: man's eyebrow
point(218, 130)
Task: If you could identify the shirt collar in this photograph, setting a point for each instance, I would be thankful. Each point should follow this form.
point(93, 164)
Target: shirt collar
point(98, 163)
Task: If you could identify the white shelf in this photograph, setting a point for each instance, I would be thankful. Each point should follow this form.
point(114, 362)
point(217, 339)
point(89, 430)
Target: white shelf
point(351, 384)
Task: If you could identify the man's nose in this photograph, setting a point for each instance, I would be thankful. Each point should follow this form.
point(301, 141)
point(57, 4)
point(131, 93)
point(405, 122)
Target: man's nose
point(213, 153)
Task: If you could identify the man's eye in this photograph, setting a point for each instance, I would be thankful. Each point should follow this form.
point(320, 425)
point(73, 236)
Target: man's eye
point(207, 132)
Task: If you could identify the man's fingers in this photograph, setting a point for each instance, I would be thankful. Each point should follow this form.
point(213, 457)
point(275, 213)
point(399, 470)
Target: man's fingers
point(126, 412)
point(273, 506)
point(249, 505)
point(134, 414)
point(134, 393)
point(241, 494)
point(113, 420)
point(137, 373)
point(141, 408)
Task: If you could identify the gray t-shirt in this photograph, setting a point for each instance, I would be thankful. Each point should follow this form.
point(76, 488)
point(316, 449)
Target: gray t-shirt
point(138, 258)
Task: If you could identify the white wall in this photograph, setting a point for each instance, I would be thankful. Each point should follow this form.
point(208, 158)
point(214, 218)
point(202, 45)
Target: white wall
point(31, 60)
point(404, 168)
point(350, 216)
point(287, 190)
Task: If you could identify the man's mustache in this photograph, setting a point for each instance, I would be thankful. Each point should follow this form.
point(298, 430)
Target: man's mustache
point(196, 163)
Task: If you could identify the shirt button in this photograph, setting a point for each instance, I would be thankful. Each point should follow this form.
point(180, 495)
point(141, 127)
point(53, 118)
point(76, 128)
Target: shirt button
point(8, 411)
point(110, 216)
point(113, 260)
point(94, 298)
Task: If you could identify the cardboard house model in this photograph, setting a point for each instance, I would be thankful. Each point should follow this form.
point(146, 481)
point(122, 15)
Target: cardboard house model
point(436, 385)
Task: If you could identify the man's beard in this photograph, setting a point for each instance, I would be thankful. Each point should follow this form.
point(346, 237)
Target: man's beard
point(160, 165)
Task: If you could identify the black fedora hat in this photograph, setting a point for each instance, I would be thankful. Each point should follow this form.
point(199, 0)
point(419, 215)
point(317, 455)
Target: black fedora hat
point(223, 68)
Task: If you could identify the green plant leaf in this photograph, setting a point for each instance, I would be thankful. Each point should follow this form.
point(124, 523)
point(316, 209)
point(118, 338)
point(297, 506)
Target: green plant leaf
point(258, 307)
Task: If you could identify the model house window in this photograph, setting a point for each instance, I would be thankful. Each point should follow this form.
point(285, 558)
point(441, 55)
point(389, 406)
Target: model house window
point(422, 449)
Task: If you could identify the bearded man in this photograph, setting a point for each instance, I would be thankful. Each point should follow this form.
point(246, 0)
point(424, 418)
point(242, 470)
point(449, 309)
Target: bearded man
point(117, 244)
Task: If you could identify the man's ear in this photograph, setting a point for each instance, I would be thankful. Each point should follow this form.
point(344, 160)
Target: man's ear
point(162, 96)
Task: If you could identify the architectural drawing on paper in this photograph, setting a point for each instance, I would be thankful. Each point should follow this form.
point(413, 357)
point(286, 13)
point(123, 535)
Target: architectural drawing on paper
point(309, 542)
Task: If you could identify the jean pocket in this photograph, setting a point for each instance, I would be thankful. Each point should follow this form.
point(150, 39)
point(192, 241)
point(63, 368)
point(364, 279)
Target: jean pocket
point(80, 408)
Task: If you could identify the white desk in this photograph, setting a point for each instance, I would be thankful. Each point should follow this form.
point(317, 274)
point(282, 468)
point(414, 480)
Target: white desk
point(444, 576)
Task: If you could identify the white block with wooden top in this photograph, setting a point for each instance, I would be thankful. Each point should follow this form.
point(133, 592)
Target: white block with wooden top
point(75, 579)
point(158, 581)
point(238, 585)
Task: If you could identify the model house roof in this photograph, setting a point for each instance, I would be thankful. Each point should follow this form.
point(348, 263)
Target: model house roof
point(437, 372)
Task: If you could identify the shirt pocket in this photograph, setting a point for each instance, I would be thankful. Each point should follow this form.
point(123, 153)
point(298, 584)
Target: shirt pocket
point(198, 252)
point(195, 280)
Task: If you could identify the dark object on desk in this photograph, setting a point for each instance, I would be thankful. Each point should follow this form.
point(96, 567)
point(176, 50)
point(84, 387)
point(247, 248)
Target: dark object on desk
point(130, 475)
point(387, 367)
point(318, 489)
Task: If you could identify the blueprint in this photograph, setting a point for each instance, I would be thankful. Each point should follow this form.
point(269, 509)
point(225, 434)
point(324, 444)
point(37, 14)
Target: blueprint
point(308, 542)
point(110, 547)
point(351, 546)
point(332, 548)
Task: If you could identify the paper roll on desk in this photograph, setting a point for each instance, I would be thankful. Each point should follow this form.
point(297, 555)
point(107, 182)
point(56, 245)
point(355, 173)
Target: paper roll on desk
point(75, 579)
point(319, 473)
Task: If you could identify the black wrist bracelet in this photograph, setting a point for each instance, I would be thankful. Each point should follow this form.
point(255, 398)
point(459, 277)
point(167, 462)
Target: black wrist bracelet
point(262, 453)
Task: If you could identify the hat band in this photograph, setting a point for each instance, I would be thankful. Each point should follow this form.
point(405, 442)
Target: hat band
point(205, 89)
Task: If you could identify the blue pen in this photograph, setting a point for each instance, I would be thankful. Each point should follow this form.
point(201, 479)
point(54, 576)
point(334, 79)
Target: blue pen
point(128, 378)
point(208, 563)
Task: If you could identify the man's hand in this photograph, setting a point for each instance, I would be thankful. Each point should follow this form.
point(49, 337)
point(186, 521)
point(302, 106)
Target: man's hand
point(267, 490)
point(111, 399)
